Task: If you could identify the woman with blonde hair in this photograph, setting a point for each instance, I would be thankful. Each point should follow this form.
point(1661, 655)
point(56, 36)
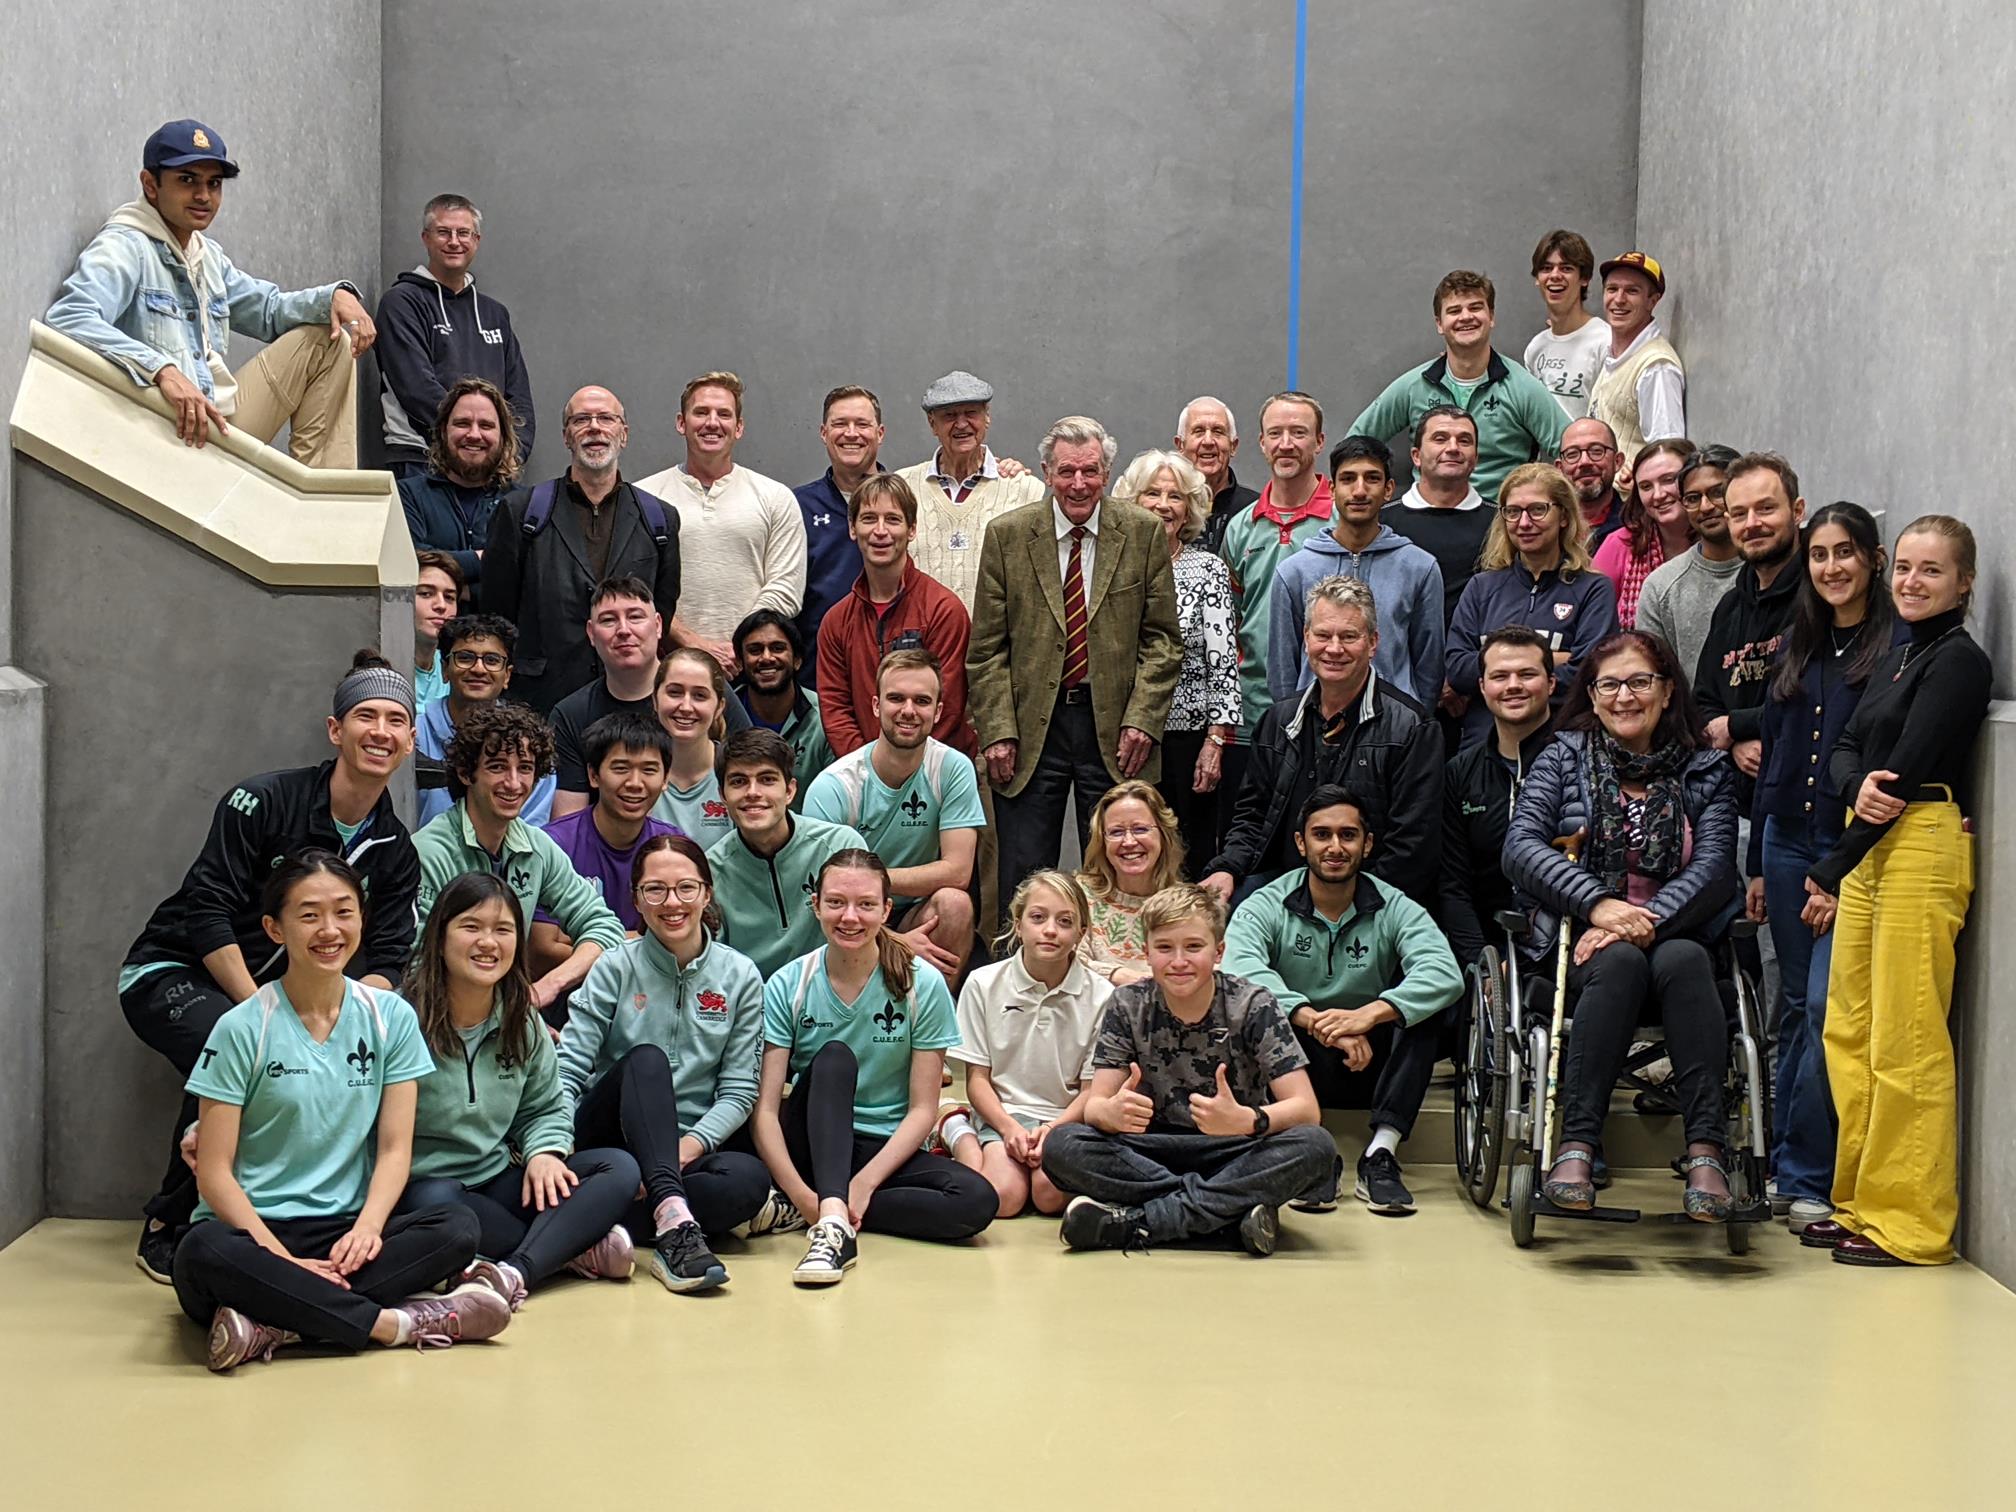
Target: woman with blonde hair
point(1535, 571)
point(1134, 849)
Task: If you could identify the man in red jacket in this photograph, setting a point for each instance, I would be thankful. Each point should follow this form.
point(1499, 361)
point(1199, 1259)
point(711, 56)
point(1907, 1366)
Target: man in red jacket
point(893, 606)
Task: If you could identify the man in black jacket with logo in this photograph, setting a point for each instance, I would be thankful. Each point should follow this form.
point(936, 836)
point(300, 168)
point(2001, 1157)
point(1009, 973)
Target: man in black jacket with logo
point(1349, 728)
point(204, 950)
point(552, 544)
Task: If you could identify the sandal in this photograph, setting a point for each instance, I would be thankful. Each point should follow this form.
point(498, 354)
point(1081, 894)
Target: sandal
point(1702, 1206)
point(1573, 1196)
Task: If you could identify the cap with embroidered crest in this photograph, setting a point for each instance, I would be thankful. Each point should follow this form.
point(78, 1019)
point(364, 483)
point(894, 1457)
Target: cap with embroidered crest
point(1638, 262)
point(180, 143)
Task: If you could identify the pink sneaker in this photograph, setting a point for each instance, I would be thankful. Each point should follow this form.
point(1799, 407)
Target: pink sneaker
point(613, 1257)
point(235, 1338)
point(501, 1279)
point(470, 1312)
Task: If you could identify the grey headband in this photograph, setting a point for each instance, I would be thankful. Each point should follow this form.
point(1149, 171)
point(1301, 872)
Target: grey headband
point(367, 683)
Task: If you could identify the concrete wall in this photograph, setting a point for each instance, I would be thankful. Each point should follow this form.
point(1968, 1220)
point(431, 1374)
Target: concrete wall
point(141, 748)
point(1088, 205)
point(1830, 203)
point(21, 1027)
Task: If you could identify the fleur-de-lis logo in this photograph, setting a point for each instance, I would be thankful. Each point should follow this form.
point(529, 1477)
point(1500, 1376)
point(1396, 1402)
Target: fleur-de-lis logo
point(913, 805)
point(1356, 950)
point(361, 1058)
point(889, 1018)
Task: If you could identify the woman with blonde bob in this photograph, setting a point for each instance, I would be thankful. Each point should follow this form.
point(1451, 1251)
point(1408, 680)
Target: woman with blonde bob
point(1133, 850)
point(1534, 571)
point(1204, 714)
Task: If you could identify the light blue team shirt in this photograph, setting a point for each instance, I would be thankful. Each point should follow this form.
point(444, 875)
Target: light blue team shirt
point(902, 825)
point(429, 682)
point(307, 1138)
point(802, 1012)
point(348, 833)
point(697, 811)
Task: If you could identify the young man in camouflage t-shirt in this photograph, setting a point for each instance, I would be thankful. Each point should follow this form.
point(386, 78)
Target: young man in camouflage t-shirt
point(1201, 1117)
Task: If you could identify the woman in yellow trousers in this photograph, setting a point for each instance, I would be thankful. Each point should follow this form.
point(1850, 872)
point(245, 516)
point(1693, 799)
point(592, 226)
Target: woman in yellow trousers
point(1901, 876)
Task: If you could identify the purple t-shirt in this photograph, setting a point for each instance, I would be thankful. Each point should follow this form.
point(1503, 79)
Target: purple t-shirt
point(600, 862)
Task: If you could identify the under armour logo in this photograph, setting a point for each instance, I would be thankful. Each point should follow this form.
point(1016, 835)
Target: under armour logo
point(822, 519)
point(242, 801)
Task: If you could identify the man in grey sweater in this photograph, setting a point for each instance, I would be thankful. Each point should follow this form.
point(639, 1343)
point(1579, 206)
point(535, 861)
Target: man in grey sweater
point(1680, 596)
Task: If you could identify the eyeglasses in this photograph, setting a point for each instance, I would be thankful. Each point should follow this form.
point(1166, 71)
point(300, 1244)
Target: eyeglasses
point(1596, 451)
point(1694, 498)
point(1640, 684)
point(654, 894)
point(1526, 511)
point(592, 422)
point(1134, 832)
point(489, 661)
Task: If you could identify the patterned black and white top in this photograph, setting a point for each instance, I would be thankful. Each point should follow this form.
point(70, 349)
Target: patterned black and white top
point(1244, 1030)
point(1207, 689)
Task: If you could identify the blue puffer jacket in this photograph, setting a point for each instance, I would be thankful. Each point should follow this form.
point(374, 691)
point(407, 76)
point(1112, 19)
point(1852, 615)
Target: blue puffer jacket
point(1554, 801)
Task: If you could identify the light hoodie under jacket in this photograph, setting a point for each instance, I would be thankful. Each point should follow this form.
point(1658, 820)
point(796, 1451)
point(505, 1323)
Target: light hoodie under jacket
point(1406, 584)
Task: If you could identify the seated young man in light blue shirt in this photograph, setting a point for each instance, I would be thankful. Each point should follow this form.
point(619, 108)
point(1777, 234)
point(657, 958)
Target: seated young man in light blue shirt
point(917, 803)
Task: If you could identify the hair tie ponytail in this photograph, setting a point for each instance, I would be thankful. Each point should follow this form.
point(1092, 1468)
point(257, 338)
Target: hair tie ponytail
point(898, 962)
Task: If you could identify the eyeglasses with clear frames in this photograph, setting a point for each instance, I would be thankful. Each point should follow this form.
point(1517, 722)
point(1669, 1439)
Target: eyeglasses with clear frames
point(654, 894)
point(1121, 833)
point(594, 420)
point(1640, 684)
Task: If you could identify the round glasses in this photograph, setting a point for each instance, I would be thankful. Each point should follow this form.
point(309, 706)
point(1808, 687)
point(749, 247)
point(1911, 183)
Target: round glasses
point(655, 894)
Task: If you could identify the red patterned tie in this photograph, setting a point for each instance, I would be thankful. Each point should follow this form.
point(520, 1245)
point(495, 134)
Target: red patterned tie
point(1077, 662)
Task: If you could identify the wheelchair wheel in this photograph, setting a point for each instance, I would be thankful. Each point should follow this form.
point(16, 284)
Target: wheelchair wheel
point(1481, 1086)
point(1520, 1195)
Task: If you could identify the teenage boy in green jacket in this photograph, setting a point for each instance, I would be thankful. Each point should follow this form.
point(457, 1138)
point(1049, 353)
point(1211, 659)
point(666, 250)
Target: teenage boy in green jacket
point(1365, 978)
point(499, 753)
point(764, 872)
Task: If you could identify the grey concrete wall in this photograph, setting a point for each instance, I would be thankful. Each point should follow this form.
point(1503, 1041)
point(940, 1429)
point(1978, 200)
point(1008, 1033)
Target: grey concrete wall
point(21, 968)
point(1089, 205)
point(148, 725)
point(1830, 200)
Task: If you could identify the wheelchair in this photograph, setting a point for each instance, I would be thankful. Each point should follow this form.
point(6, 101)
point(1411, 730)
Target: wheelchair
point(1507, 1115)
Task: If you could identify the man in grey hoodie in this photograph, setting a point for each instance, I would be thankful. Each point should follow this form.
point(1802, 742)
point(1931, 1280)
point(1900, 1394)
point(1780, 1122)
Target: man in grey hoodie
point(1406, 581)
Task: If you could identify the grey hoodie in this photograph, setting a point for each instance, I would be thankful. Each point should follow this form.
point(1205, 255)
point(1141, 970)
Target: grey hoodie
point(1406, 586)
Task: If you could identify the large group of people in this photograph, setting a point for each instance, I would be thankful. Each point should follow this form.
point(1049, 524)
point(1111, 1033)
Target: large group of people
point(742, 809)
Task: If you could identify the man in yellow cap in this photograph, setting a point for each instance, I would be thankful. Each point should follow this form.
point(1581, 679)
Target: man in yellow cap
point(1641, 394)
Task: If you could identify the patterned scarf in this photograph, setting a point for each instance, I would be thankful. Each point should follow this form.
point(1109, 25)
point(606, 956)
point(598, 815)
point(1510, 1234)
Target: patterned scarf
point(1661, 837)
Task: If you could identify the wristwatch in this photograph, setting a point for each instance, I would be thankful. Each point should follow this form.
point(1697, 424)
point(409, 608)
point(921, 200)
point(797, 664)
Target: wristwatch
point(1216, 739)
point(1261, 1122)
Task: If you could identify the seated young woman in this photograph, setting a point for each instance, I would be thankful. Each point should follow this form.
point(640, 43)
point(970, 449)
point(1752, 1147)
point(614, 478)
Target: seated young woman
point(307, 1091)
point(1026, 1029)
point(1654, 884)
point(659, 1056)
point(860, 1028)
point(493, 1131)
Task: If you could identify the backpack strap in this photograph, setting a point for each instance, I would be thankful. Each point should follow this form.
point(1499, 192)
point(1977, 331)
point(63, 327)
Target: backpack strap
point(653, 509)
point(540, 510)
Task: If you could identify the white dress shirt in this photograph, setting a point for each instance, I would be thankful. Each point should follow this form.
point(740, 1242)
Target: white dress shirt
point(1088, 549)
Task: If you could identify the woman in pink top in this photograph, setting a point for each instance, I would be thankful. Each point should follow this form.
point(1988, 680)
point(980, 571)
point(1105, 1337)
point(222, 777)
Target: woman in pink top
point(1655, 525)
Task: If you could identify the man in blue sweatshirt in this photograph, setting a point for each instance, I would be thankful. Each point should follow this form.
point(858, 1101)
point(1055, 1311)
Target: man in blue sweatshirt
point(1406, 581)
point(432, 330)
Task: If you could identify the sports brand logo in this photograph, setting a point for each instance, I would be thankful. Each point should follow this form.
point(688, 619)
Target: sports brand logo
point(1303, 944)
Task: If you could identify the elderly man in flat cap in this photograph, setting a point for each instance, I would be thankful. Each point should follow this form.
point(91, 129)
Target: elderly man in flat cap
point(964, 485)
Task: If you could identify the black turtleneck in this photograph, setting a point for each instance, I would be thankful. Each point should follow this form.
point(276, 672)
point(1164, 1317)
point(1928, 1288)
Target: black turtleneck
point(1918, 718)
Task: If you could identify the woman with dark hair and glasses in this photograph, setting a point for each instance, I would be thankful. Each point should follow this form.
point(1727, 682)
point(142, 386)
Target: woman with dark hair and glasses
point(1841, 630)
point(1654, 882)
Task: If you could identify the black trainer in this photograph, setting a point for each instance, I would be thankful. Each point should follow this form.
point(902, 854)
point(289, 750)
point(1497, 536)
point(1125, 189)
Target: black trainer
point(683, 1263)
point(830, 1252)
point(1259, 1230)
point(1379, 1184)
point(156, 1254)
point(1089, 1225)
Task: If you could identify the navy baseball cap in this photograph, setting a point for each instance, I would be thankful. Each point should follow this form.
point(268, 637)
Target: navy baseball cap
point(180, 143)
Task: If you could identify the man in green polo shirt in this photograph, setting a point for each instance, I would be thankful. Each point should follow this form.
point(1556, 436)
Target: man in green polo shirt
point(1365, 978)
point(1517, 419)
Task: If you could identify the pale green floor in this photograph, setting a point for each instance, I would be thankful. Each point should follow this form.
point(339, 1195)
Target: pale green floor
point(1379, 1363)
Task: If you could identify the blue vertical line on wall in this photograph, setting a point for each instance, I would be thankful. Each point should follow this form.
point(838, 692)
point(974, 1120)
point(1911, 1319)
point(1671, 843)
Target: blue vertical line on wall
point(1295, 194)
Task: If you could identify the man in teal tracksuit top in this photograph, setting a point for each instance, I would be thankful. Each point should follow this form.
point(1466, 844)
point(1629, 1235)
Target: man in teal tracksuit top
point(499, 753)
point(766, 872)
point(1364, 975)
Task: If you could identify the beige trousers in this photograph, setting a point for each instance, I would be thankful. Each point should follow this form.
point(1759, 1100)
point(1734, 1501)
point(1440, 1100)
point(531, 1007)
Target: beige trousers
point(307, 383)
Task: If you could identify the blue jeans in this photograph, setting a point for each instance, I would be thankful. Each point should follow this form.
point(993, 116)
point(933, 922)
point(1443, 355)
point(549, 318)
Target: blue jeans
point(1803, 1134)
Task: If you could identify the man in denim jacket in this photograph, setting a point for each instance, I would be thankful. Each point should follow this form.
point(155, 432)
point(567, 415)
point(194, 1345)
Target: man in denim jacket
point(157, 296)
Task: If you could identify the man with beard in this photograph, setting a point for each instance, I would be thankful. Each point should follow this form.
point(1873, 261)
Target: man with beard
point(850, 428)
point(551, 545)
point(1588, 459)
point(472, 462)
point(1365, 978)
point(1208, 438)
point(771, 655)
point(1679, 598)
point(917, 803)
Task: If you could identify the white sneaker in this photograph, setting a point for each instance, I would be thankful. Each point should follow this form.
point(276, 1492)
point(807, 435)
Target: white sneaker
point(1805, 1210)
point(778, 1215)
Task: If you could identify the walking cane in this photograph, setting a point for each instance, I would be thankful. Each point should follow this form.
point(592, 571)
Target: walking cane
point(1571, 847)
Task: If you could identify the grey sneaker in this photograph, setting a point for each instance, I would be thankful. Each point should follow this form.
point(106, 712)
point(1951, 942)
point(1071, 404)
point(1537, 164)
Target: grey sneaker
point(235, 1338)
point(682, 1262)
point(1805, 1210)
point(471, 1312)
point(829, 1255)
point(778, 1215)
point(507, 1283)
point(1260, 1230)
point(612, 1258)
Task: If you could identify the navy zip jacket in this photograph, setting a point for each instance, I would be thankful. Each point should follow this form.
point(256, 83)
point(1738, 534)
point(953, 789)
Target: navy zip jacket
point(1573, 613)
point(257, 824)
point(1554, 801)
point(428, 339)
point(442, 517)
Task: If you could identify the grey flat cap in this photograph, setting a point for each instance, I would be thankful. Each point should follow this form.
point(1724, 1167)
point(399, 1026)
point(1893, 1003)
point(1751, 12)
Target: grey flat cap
point(957, 387)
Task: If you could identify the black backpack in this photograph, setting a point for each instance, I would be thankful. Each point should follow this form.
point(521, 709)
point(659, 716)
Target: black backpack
point(541, 510)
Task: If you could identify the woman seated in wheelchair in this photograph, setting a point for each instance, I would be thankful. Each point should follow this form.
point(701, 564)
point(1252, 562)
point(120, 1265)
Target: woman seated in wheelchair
point(1652, 810)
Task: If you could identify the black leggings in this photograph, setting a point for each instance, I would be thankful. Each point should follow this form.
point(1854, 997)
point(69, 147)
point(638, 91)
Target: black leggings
point(634, 1106)
point(173, 1012)
point(220, 1266)
point(1618, 985)
point(926, 1197)
point(533, 1243)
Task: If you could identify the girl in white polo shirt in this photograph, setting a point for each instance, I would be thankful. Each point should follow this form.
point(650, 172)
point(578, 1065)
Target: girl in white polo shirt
point(1026, 1027)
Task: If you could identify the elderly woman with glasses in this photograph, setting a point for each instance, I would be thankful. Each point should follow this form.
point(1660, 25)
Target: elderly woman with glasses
point(1534, 571)
point(1652, 883)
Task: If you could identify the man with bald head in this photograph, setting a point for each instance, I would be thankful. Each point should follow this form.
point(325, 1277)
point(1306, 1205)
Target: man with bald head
point(1208, 436)
point(552, 543)
point(1589, 458)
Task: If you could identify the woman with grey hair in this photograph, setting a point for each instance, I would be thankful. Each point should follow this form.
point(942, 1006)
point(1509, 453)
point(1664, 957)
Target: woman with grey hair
point(1204, 714)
